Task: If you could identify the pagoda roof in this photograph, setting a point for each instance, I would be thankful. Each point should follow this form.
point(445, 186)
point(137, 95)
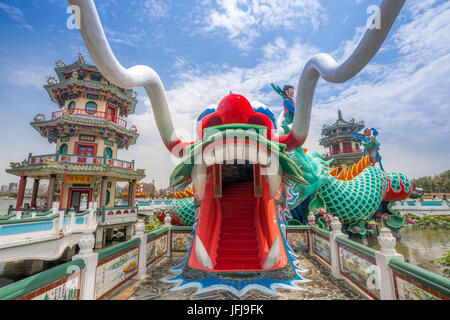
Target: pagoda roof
point(345, 156)
point(46, 169)
point(348, 136)
point(341, 123)
point(121, 94)
point(63, 69)
point(85, 122)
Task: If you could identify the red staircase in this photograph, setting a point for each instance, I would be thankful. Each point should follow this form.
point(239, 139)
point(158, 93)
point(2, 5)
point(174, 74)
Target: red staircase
point(238, 246)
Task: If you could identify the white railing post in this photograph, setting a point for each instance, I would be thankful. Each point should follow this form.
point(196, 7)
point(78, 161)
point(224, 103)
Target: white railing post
point(92, 214)
point(18, 215)
point(60, 220)
point(90, 258)
point(167, 223)
point(140, 233)
point(336, 226)
point(55, 207)
point(72, 218)
point(387, 251)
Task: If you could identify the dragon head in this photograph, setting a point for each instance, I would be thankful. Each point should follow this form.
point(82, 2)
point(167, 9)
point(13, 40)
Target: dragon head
point(237, 168)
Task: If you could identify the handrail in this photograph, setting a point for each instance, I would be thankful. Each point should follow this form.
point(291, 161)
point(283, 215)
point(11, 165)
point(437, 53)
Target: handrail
point(7, 217)
point(109, 252)
point(17, 221)
point(23, 287)
point(90, 113)
point(181, 228)
point(430, 279)
point(61, 159)
point(297, 227)
point(322, 232)
point(156, 233)
point(356, 246)
point(45, 155)
point(82, 214)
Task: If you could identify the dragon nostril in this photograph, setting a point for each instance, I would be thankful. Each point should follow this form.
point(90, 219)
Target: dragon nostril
point(214, 121)
point(256, 120)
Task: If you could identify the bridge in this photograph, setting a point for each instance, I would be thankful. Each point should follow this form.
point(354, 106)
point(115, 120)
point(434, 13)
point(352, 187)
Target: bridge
point(47, 235)
point(422, 208)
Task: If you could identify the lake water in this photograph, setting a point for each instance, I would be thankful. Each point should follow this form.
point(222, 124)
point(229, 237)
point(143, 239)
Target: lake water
point(421, 245)
point(4, 205)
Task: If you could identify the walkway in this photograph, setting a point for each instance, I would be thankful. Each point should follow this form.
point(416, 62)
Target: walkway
point(321, 287)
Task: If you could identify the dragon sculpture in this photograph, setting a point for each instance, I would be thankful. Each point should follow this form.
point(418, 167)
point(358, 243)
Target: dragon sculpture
point(239, 166)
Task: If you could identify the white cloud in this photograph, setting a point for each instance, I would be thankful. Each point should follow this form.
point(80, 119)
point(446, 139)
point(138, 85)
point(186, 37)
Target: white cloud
point(194, 91)
point(16, 14)
point(244, 20)
point(405, 99)
point(30, 77)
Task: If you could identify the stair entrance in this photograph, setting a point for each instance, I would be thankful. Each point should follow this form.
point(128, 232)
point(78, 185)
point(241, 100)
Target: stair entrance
point(238, 246)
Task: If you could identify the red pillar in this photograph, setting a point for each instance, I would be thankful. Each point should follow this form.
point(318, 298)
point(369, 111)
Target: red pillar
point(51, 190)
point(131, 193)
point(103, 192)
point(35, 193)
point(22, 194)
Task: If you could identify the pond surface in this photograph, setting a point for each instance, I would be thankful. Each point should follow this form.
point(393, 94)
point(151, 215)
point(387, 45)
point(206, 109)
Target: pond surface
point(421, 245)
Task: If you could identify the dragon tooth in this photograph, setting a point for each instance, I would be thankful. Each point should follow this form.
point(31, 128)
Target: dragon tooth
point(202, 255)
point(199, 179)
point(273, 256)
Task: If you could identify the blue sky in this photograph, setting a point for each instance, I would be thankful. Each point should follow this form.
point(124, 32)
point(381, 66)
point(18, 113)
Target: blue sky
point(203, 49)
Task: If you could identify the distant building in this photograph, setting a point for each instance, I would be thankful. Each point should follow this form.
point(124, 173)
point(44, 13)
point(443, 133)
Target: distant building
point(4, 188)
point(342, 147)
point(13, 187)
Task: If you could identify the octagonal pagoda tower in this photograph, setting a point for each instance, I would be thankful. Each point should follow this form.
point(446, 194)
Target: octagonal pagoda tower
point(342, 147)
point(88, 130)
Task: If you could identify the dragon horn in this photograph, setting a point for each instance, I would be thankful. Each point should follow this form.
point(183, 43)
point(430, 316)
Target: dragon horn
point(325, 66)
point(94, 37)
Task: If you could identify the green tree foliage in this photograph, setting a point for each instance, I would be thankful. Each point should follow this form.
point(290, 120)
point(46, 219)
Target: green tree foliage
point(152, 223)
point(437, 183)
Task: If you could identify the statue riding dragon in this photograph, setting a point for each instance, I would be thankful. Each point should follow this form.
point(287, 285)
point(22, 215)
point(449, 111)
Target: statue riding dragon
point(239, 168)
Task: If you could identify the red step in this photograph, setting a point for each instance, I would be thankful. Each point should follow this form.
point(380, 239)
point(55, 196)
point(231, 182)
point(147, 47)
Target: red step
point(238, 245)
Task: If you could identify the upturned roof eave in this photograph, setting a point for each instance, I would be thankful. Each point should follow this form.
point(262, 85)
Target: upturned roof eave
point(80, 169)
point(97, 85)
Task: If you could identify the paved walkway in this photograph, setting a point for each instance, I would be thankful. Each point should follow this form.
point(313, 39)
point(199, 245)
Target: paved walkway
point(321, 287)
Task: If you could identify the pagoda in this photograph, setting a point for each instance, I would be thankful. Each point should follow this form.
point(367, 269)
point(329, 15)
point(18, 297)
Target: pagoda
point(88, 130)
point(342, 147)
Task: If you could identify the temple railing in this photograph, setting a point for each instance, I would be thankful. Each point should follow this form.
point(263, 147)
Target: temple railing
point(79, 159)
point(376, 274)
point(91, 114)
point(115, 215)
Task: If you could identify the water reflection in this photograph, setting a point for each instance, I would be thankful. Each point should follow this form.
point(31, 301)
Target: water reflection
point(419, 246)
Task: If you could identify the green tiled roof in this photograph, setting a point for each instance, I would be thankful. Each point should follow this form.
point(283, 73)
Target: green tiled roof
point(88, 169)
point(94, 84)
point(343, 123)
point(86, 121)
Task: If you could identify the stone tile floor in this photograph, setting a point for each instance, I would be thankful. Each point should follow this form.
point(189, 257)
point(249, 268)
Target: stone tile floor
point(321, 287)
